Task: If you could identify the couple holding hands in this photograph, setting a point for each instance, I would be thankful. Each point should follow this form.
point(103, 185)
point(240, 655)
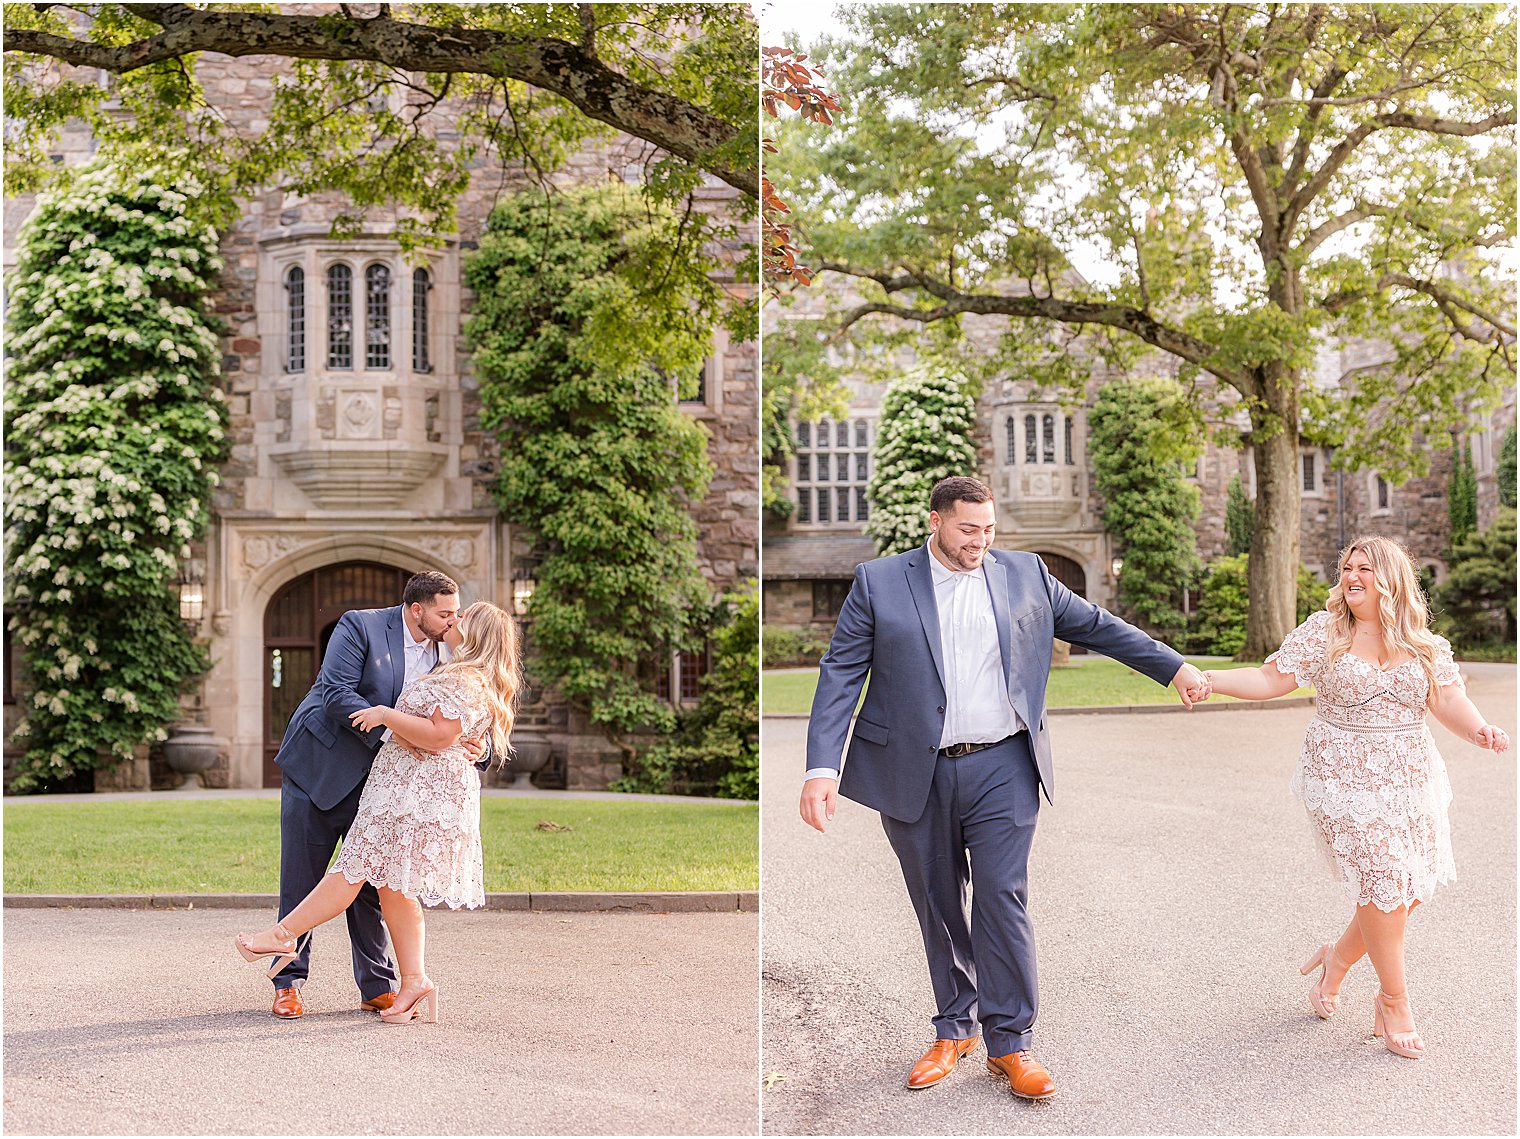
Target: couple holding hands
point(950, 746)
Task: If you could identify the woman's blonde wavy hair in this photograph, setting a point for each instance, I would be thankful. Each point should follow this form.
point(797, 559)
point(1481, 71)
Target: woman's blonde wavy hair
point(489, 647)
point(1402, 611)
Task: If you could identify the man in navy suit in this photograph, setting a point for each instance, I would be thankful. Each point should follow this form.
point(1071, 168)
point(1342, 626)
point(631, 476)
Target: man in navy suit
point(951, 748)
point(372, 655)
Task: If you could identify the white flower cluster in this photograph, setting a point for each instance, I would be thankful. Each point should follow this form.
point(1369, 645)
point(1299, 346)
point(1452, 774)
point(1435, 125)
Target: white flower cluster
point(924, 435)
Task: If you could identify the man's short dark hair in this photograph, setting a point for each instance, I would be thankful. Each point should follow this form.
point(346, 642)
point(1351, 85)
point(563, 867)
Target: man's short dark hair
point(423, 587)
point(947, 492)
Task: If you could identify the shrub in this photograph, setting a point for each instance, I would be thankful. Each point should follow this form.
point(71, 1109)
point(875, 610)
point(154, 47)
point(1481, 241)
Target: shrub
point(923, 436)
point(1218, 627)
point(1239, 518)
point(115, 429)
point(1477, 600)
point(1461, 496)
point(717, 747)
point(1507, 468)
point(1139, 437)
point(582, 317)
point(791, 648)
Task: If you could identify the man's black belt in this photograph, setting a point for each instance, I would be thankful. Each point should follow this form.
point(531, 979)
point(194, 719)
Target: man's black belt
point(955, 751)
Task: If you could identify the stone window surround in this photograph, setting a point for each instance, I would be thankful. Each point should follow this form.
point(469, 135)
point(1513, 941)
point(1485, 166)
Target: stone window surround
point(1481, 439)
point(1373, 478)
point(710, 406)
point(1067, 426)
point(314, 250)
point(1318, 490)
point(385, 393)
point(854, 484)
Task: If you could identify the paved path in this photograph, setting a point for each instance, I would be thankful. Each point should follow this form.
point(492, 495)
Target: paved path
point(1175, 890)
point(148, 1023)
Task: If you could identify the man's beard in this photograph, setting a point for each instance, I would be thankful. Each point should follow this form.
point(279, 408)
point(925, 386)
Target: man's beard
point(955, 559)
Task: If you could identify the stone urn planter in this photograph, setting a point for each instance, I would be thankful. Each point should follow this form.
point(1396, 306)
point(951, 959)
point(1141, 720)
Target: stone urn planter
point(531, 749)
point(190, 750)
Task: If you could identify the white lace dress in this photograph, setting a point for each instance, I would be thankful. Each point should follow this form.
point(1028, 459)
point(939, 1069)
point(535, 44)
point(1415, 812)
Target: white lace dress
point(1370, 775)
point(417, 830)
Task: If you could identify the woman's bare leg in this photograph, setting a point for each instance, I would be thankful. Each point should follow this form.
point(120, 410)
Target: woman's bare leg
point(329, 898)
point(1348, 951)
point(1383, 934)
point(403, 917)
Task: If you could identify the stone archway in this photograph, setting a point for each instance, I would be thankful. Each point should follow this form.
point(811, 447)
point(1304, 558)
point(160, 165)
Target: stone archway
point(1070, 574)
point(254, 560)
point(1065, 570)
point(298, 621)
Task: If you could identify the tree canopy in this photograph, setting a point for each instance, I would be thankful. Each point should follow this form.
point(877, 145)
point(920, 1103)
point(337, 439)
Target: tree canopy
point(390, 104)
point(1256, 185)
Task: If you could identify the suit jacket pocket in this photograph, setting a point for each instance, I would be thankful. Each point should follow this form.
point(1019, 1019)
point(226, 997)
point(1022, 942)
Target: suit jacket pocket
point(319, 727)
point(870, 730)
point(1026, 620)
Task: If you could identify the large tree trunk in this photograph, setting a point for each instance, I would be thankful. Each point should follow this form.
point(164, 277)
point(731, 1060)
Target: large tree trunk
point(1273, 575)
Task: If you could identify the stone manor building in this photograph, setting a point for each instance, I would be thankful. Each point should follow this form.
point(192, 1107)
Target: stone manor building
point(358, 457)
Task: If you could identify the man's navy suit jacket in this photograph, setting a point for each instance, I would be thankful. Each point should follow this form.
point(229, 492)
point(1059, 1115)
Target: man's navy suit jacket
point(365, 665)
point(889, 628)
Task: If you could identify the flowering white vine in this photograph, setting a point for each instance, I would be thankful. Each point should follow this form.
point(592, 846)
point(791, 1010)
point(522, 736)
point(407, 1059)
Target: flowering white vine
point(115, 427)
point(924, 435)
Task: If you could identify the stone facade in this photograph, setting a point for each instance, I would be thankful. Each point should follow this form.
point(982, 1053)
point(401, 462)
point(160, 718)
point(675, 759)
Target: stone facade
point(379, 457)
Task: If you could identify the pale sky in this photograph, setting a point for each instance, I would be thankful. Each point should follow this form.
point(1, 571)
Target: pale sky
point(812, 19)
point(809, 20)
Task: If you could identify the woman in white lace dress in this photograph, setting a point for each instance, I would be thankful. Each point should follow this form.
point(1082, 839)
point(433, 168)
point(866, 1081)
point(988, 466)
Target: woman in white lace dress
point(417, 832)
point(1369, 774)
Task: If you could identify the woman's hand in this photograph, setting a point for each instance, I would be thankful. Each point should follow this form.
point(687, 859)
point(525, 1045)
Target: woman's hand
point(1493, 738)
point(368, 719)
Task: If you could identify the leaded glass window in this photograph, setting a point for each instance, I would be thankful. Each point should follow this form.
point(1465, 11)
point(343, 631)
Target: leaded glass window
point(377, 317)
point(340, 316)
point(295, 319)
point(420, 331)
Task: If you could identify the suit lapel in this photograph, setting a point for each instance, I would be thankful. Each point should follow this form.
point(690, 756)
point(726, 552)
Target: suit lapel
point(395, 635)
point(921, 586)
point(997, 584)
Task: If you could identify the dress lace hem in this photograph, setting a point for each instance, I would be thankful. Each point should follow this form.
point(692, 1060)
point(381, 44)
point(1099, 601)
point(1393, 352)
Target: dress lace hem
point(407, 890)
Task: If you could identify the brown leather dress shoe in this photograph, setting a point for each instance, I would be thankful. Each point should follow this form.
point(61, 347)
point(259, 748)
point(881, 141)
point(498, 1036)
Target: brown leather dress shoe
point(937, 1063)
point(1026, 1075)
point(287, 1004)
point(380, 1003)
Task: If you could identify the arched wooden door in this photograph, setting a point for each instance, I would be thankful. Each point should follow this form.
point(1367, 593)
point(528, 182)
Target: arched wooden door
point(1071, 575)
point(297, 624)
point(1067, 572)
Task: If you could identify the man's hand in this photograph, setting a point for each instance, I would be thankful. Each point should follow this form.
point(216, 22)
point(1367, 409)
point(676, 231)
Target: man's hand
point(818, 800)
point(1191, 685)
point(474, 750)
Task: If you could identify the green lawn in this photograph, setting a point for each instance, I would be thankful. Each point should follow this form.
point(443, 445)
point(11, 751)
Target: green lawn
point(1097, 680)
point(233, 846)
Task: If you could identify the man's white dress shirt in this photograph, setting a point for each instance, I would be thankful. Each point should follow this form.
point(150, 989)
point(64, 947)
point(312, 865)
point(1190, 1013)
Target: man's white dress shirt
point(421, 656)
point(977, 708)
